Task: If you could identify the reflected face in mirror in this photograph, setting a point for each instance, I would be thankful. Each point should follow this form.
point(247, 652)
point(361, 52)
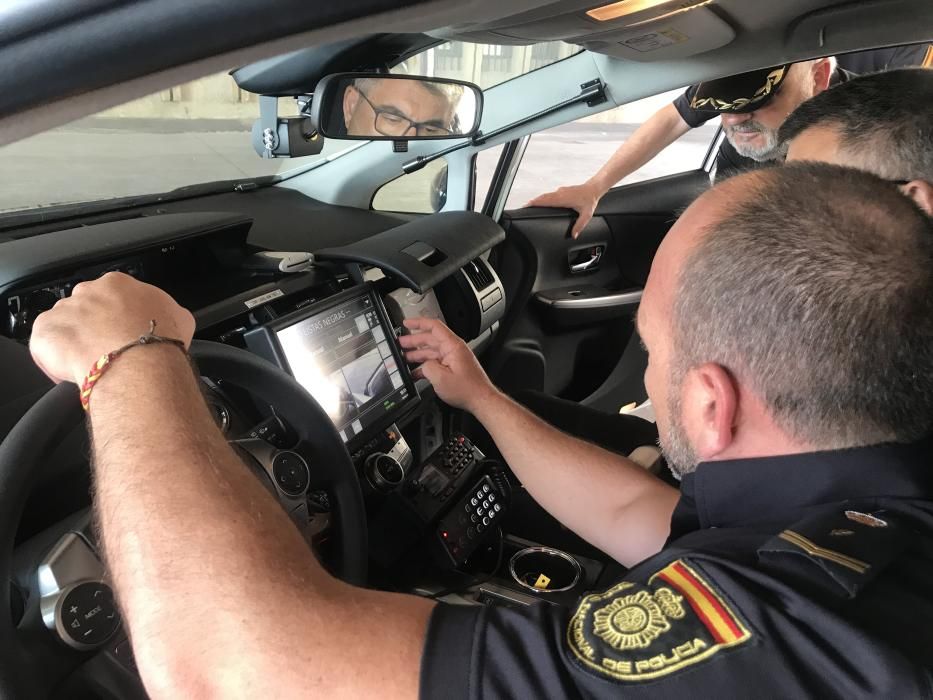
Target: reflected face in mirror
point(401, 108)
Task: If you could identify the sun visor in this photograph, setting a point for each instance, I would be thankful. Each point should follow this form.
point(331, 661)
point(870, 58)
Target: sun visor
point(639, 30)
point(841, 28)
point(678, 36)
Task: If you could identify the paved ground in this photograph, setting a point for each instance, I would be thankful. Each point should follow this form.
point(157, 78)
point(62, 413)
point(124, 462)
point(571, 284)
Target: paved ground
point(94, 160)
point(571, 153)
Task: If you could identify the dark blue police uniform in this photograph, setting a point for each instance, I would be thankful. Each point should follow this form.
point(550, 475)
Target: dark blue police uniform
point(795, 576)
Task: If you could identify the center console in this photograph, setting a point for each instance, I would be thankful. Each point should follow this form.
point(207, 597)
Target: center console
point(344, 351)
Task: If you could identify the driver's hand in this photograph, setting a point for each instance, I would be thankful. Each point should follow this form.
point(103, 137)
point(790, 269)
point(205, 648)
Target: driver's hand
point(581, 198)
point(100, 317)
point(448, 363)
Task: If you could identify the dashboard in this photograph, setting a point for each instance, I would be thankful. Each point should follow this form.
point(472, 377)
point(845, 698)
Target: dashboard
point(331, 324)
point(434, 503)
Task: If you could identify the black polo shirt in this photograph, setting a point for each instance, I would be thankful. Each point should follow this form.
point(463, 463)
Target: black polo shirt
point(729, 161)
point(796, 576)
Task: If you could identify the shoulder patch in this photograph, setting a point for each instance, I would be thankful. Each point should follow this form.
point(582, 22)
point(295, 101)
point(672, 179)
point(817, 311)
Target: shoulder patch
point(638, 632)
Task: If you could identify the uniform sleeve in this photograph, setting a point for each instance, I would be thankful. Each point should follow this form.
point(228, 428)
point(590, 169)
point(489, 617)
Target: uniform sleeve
point(689, 628)
point(692, 117)
point(623, 641)
point(909, 56)
point(474, 652)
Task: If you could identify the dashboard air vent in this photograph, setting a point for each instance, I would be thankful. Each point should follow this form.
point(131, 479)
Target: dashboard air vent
point(479, 274)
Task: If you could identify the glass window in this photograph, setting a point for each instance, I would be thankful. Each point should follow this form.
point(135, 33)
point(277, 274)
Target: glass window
point(425, 191)
point(484, 64)
point(483, 170)
point(571, 153)
point(421, 192)
point(194, 133)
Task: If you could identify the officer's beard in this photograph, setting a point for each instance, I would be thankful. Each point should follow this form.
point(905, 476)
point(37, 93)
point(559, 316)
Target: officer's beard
point(771, 149)
point(675, 445)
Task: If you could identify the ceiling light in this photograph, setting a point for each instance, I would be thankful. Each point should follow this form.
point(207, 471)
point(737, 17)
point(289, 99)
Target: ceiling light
point(622, 8)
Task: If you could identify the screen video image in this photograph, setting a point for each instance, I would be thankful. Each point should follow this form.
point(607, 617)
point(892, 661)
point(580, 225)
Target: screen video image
point(343, 358)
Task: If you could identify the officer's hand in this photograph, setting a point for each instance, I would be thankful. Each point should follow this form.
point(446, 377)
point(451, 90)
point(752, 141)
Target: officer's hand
point(448, 363)
point(581, 198)
point(100, 317)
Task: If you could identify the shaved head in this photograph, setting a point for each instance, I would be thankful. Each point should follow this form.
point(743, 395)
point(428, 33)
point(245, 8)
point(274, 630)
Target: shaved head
point(809, 321)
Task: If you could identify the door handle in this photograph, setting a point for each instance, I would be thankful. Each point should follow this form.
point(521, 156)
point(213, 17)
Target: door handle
point(590, 264)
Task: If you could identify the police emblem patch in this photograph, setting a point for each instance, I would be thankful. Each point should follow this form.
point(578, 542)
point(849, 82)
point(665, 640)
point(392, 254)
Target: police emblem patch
point(635, 632)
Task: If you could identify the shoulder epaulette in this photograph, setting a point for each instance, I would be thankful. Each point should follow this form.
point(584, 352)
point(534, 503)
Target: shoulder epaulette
point(838, 549)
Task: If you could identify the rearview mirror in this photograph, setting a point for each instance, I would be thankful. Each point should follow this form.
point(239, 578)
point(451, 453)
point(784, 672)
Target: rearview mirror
point(371, 107)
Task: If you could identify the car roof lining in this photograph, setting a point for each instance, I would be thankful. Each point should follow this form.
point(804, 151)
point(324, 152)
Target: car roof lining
point(33, 85)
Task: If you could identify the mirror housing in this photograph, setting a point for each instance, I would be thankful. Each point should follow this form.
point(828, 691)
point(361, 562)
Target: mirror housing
point(284, 137)
point(385, 107)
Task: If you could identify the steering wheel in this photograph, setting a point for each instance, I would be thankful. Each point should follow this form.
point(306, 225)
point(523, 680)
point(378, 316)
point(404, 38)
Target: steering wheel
point(34, 662)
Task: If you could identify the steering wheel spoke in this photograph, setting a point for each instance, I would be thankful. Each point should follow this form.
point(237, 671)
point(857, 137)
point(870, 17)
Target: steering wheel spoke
point(75, 600)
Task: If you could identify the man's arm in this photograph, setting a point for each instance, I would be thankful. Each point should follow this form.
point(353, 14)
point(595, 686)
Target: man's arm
point(657, 133)
point(609, 501)
point(221, 594)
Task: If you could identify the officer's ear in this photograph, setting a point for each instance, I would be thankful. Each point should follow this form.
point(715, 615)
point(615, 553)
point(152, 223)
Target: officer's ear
point(921, 192)
point(710, 402)
point(822, 74)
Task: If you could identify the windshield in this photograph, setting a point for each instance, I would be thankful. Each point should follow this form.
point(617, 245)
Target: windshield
point(199, 132)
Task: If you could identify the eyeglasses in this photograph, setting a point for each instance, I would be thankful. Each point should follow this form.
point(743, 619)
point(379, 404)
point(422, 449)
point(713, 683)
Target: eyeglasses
point(389, 122)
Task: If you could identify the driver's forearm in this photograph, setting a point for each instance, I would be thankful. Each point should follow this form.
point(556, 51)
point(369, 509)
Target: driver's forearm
point(657, 133)
point(606, 499)
point(221, 594)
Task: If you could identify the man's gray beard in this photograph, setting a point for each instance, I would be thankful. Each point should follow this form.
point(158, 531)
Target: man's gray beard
point(678, 452)
point(772, 149)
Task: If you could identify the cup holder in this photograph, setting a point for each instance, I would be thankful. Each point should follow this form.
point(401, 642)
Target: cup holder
point(561, 571)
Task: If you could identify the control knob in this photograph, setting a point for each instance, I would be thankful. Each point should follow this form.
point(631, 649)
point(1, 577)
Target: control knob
point(383, 472)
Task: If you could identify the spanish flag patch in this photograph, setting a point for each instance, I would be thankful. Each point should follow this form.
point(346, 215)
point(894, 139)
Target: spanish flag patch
point(637, 632)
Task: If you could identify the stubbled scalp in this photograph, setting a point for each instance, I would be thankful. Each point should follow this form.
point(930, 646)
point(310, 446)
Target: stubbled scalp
point(885, 122)
point(816, 289)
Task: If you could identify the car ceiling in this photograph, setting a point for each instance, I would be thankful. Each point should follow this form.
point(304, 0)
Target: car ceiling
point(63, 61)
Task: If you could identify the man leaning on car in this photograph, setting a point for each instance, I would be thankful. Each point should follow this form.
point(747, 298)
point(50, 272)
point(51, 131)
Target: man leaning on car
point(752, 105)
point(791, 367)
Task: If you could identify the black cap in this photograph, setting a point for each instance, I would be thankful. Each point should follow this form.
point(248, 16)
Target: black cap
point(740, 93)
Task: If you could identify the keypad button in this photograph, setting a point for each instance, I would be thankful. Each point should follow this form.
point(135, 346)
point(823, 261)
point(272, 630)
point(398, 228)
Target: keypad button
point(485, 488)
point(497, 508)
point(485, 521)
point(492, 498)
point(473, 502)
point(479, 511)
point(486, 505)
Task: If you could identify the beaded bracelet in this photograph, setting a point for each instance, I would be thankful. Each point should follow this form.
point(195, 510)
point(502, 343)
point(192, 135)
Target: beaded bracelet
point(101, 366)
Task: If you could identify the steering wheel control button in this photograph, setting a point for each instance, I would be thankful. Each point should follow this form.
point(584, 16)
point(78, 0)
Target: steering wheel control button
point(87, 616)
point(291, 473)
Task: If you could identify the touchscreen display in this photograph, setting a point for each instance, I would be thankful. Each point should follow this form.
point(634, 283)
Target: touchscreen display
point(343, 357)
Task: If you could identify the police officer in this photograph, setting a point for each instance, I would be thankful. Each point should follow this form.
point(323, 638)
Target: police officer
point(752, 106)
point(792, 372)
